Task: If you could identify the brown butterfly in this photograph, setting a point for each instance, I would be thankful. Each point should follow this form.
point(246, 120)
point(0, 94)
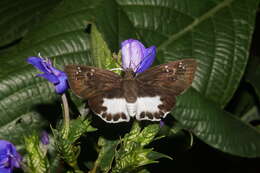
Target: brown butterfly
point(146, 96)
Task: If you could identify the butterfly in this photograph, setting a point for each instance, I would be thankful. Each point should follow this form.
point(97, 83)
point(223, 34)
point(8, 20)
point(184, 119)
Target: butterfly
point(146, 96)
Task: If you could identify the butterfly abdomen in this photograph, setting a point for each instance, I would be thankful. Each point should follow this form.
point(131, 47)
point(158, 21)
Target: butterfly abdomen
point(131, 108)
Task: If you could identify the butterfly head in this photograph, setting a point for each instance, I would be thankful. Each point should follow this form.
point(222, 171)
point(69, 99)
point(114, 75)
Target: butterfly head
point(129, 74)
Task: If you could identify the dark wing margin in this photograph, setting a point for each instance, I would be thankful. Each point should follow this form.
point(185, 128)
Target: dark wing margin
point(88, 81)
point(173, 77)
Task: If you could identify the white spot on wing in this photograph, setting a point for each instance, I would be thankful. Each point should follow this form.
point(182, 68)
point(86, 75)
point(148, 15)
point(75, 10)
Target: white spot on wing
point(148, 104)
point(115, 106)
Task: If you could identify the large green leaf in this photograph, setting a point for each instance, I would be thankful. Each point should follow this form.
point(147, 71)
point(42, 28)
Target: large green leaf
point(18, 16)
point(216, 33)
point(252, 74)
point(216, 127)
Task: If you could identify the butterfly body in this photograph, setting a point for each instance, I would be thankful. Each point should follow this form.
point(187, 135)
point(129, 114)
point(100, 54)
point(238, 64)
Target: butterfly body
point(146, 96)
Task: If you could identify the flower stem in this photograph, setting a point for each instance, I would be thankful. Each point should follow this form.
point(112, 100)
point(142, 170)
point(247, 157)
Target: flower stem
point(66, 115)
point(94, 169)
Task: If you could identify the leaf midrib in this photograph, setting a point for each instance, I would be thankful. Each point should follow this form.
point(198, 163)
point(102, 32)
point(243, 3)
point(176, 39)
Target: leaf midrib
point(196, 22)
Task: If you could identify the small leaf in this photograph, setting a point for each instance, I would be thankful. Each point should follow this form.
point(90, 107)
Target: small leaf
point(156, 155)
point(106, 154)
point(132, 154)
point(36, 159)
point(101, 54)
point(67, 147)
point(143, 171)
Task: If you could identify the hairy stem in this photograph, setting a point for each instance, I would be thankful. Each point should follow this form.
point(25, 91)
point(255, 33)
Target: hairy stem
point(66, 115)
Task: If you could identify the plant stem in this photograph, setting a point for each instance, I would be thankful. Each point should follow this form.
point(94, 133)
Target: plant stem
point(66, 115)
point(94, 169)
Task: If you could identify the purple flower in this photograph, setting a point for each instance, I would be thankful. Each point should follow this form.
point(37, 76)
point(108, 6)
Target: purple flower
point(55, 76)
point(162, 123)
point(45, 138)
point(136, 56)
point(9, 157)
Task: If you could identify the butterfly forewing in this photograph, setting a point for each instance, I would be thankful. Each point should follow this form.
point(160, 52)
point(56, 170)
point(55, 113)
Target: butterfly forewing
point(174, 77)
point(87, 81)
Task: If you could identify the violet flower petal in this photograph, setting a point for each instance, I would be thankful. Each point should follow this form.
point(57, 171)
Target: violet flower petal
point(50, 77)
point(132, 53)
point(38, 63)
point(9, 157)
point(53, 75)
point(5, 170)
point(149, 57)
point(45, 138)
point(62, 86)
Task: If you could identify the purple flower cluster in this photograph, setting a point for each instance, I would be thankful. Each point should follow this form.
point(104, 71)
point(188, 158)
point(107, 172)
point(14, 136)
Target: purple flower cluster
point(9, 157)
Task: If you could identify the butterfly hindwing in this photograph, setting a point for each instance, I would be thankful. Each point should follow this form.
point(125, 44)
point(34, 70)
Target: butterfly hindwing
point(153, 103)
point(110, 106)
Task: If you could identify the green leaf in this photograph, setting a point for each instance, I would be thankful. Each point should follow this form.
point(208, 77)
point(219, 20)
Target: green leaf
point(252, 74)
point(132, 154)
point(78, 127)
point(18, 17)
point(251, 115)
point(106, 154)
point(143, 137)
point(19, 127)
point(143, 171)
point(36, 159)
point(66, 146)
point(216, 127)
point(101, 54)
point(156, 155)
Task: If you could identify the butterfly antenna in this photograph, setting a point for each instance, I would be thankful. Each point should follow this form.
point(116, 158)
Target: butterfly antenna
point(114, 69)
point(116, 58)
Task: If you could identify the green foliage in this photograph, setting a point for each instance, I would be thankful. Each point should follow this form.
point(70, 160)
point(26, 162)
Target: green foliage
point(132, 153)
point(224, 133)
point(36, 159)
point(67, 146)
point(101, 54)
point(106, 153)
